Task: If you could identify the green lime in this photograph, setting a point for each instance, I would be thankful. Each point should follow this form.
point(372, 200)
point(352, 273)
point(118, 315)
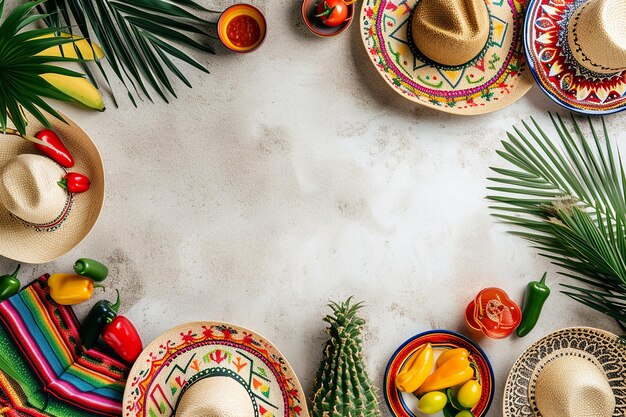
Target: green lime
point(464, 413)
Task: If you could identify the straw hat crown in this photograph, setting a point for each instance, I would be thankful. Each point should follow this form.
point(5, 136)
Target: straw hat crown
point(217, 396)
point(571, 386)
point(448, 32)
point(597, 35)
point(29, 189)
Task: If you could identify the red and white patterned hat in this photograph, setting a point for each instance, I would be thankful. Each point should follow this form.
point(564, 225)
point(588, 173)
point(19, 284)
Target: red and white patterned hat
point(173, 363)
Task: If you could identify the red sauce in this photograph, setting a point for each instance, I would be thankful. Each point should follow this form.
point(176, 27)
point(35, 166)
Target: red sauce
point(243, 31)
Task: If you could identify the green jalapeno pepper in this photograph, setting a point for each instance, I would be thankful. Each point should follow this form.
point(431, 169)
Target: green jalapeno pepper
point(91, 269)
point(101, 314)
point(9, 285)
point(537, 293)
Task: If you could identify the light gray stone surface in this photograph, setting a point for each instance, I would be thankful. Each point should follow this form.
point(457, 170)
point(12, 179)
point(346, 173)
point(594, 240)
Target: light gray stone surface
point(293, 176)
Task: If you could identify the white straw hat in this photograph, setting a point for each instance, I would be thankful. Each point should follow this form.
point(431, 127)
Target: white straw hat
point(572, 386)
point(576, 372)
point(40, 221)
point(576, 50)
point(219, 396)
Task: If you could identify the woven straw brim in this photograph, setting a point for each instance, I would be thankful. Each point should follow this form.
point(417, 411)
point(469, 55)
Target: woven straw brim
point(188, 352)
point(22, 242)
point(602, 348)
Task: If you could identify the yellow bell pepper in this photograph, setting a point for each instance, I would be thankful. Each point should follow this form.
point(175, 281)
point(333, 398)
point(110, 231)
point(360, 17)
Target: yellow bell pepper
point(451, 353)
point(69, 289)
point(453, 371)
point(416, 369)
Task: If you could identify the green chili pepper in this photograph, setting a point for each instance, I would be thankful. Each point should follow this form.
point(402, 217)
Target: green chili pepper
point(9, 285)
point(537, 293)
point(101, 314)
point(91, 269)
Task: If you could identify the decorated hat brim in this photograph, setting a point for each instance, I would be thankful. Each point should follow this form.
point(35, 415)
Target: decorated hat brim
point(491, 81)
point(558, 73)
point(37, 244)
point(602, 348)
point(193, 351)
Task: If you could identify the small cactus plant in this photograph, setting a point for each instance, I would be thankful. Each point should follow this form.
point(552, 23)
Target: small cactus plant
point(342, 387)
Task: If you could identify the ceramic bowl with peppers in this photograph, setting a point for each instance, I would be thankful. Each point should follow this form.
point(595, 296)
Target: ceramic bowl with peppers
point(326, 18)
point(439, 372)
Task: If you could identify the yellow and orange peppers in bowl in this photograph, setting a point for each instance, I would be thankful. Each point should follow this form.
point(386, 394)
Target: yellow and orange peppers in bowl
point(453, 368)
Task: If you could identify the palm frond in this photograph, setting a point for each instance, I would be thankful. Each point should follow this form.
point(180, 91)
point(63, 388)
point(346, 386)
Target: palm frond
point(567, 195)
point(140, 39)
point(21, 87)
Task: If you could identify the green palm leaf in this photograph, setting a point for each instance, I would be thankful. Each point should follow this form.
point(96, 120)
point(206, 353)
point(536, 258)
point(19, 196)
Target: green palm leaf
point(21, 87)
point(139, 38)
point(567, 195)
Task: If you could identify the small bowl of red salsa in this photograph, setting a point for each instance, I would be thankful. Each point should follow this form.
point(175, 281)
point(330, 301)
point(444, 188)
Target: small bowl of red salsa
point(242, 28)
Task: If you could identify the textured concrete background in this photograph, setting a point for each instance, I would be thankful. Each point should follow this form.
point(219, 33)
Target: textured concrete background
point(293, 176)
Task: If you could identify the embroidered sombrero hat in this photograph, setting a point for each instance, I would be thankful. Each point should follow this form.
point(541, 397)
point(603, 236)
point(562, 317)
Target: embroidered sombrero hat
point(212, 368)
point(40, 221)
point(577, 52)
point(464, 57)
point(577, 371)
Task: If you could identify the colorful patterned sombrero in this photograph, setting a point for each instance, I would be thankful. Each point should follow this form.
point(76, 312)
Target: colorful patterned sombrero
point(494, 79)
point(45, 366)
point(555, 67)
point(172, 363)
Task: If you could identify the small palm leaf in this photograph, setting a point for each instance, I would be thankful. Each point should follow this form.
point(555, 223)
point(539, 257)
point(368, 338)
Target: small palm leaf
point(137, 37)
point(567, 195)
point(21, 87)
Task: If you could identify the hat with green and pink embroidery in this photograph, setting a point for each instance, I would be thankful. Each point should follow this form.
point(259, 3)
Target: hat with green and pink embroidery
point(212, 369)
point(464, 56)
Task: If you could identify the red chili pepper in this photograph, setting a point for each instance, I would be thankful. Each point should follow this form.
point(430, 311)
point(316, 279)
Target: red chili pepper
point(75, 182)
point(123, 338)
point(57, 152)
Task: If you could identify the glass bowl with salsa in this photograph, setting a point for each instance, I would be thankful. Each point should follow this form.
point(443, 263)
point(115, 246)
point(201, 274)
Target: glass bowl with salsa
point(242, 28)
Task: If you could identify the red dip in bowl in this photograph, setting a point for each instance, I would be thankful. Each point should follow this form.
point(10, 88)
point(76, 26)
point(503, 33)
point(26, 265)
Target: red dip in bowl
point(243, 31)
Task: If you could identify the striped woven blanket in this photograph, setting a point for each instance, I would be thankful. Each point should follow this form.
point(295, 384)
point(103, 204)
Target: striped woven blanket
point(45, 371)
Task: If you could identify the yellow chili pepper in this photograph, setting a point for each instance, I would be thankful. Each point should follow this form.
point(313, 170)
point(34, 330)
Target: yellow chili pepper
point(451, 353)
point(69, 289)
point(456, 370)
point(416, 370)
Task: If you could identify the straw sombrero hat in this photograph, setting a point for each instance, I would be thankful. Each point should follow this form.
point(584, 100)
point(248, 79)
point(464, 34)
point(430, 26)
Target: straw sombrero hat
point(577, 52)
point(212, 369)
point(464, 57)
point(39, 221)
point(572, 372)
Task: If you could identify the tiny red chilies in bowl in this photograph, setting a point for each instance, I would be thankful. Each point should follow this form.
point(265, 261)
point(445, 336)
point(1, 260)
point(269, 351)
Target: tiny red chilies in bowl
point(493, 313)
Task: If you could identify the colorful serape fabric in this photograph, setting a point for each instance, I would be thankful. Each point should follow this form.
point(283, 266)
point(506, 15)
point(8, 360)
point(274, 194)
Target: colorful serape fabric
point(51, 371)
